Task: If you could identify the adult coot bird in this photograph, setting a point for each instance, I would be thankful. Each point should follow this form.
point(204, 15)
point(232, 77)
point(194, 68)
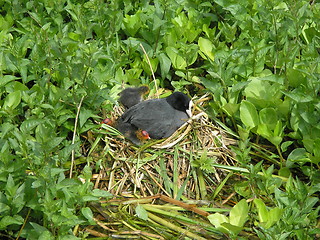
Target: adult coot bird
point(135, 135)
point(132, 96)
point(159, 117)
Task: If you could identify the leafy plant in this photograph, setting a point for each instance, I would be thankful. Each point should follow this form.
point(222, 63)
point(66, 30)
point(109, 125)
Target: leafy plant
point(234, 224)
point(63, 63)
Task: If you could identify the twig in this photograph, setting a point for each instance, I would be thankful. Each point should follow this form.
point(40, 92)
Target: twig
point(24, 224)
point(96, 233)
point(74, 136)
point(153, 76)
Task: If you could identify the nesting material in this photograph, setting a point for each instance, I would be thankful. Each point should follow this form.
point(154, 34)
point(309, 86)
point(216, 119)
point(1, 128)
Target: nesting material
point(177, 175)
point(138, 166)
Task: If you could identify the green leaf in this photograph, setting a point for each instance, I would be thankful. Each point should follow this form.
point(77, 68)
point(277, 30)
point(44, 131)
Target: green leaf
point(11, 188)
point(141, 212)
point(6, 79)
point(177, 60)
point(295, 77)
point(29, 124)
point(146, 67)
point(263, 93)
point(41, 231)
point(264, 131)
point(132, 23)
point(274, 217)
point(269, 117)
point(12, 100)
point(217, 219)
point(84, 115)
point(233, 230)
point(267, 218)
point(206, 47)
point(239, 213)
point(3, 208)
point(285, 145)
point(87, 213)
point(298, 155)
point(262, 210)
point(101, 193)
point(165, 65)
point(278, 130)
point(8, 220)
point(248, 114)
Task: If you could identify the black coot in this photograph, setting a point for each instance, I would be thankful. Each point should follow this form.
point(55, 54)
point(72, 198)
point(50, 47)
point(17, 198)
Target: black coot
point(132, 96)
point(159, 117)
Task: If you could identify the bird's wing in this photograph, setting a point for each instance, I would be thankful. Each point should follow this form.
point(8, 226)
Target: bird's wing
point(155, 116)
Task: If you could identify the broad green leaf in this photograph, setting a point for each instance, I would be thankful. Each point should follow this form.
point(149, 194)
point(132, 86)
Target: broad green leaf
point(39, 229)
point(7, 78)
point(9, 220)
point(239, 213)
point(267, 218)
point(4, 208)
point(230, 108)
point(263, 93)
point(29, 124)
point(132, 23)
point(275, 140)
point(12, 100)
point(242, 188)
point(217, 219)
point(233, 230)
point(249, 114)
point(210, 32)
point(87, 213)
point(274, 217)
point(264, 131)
point(284, 172)
point(177, 61)
point(298, 96)
point(295, 77)
point(206, 47)
point(269, 117)
point(146, 67)
point(74, 36)
point(165, 65)
point(191, 54)
point(46, 235)
point(262, 210)
point(84, 115)
point(298, 155)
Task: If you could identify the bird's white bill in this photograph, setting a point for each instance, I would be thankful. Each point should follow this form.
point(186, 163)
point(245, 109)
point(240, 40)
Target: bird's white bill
point(189, 110)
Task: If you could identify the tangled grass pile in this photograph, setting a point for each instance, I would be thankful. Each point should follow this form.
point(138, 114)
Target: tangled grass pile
point(164, 188)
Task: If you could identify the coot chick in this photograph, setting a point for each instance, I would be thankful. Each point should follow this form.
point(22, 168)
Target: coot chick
point(132, 96)
point(159, 117)
point(135, 135)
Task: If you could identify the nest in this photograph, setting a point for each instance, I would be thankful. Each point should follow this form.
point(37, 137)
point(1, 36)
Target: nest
point(130, 167)
point(181, 166)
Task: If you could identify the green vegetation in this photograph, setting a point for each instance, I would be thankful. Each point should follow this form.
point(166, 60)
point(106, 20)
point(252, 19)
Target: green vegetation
point(62, 64)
